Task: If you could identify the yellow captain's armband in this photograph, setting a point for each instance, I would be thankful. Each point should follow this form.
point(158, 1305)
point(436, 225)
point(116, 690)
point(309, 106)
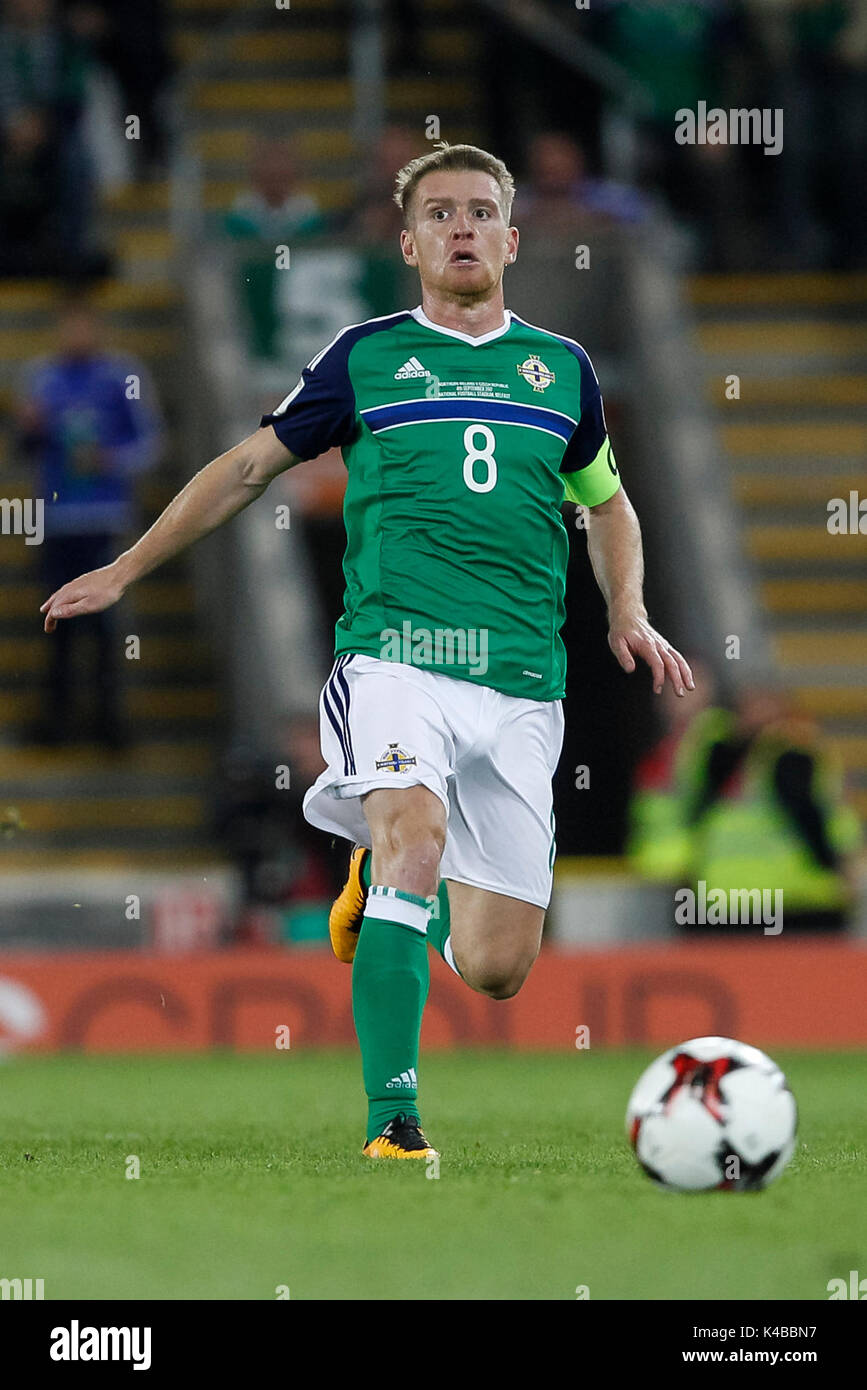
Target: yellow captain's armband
point(595, 483)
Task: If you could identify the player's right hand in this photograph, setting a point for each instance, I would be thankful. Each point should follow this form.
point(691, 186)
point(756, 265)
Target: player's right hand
point(90, 593)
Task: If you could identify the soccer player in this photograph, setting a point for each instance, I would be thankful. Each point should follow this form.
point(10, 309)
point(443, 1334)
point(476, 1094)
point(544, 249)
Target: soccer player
point(462, 428)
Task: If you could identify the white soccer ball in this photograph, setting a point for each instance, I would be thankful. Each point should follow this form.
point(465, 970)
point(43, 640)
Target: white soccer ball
point(712, 1113)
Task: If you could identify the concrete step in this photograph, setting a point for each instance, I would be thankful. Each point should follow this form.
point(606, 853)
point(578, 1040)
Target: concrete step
point(85, 762)
point(829, 648)
point(795, 490)
point(315, 46)
point(788, 465)
point(125, 837)
point(851, 749)
point(337, 11)
point(102, 859)
point(154, 704)
point(145, 254)
point(816, 338)
point(812, 390)
point(827, 701)
point(820, 438)
point(771, 292)
point(189, 660)
point(218, 195)
point(807, 596)
point(303, 46)
point(50, 814)
point(42, 298)
point(232, 143)
point(19, 344)
point(445, 95)
point(796, 543)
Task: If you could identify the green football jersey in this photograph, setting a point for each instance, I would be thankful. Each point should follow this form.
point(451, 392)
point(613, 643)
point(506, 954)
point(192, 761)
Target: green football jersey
point(459, 451)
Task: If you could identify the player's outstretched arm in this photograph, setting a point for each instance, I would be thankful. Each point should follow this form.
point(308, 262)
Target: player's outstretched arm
point(614, 544)
point(216, 493)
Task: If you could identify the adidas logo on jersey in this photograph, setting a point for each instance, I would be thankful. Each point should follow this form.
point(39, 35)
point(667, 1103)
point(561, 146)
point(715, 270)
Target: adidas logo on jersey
point(406, 1078)
point(409, 369)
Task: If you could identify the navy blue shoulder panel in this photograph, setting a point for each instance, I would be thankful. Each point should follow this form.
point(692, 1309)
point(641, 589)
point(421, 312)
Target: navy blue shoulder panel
point(591, 432)
point(319, 414)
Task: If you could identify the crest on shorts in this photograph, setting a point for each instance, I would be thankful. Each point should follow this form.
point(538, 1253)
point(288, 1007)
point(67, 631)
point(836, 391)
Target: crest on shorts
point(535, 373)
point(394, 759)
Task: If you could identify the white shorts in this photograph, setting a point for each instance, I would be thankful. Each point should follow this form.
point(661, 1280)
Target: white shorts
point(489, 758)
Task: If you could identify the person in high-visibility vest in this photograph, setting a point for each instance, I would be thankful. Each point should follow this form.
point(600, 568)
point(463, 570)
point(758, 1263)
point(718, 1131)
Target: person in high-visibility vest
point(766, 808)
point(659, 839)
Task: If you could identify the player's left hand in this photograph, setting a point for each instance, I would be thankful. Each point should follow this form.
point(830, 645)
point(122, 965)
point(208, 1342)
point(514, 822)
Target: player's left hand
point(631, 637)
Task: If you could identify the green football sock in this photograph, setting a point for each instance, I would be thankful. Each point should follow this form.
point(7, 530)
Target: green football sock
point(439, 922)
point(439, 927)
point(390, 979)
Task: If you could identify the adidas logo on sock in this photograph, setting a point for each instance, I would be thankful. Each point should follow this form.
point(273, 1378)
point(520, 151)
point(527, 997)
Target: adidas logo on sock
point(406, 1079)
point(411, 368)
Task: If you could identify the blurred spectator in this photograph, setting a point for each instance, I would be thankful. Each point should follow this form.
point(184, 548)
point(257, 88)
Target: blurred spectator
point(676, 49)
point(682, 52)
point(659, 839)
point(375, 222)
point(129, 38)
point(404, 27)
point(273, 211)
point(274, 207)
point(558, 197)
point(284, 862)
point(375, 218)
point(44, 164)
point(30, 237)
point(526, 86)
point(814, 66)
point(89, 424)
point(765, 804)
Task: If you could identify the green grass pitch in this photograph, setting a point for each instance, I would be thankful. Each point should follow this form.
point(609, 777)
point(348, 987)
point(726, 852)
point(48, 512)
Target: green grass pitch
point(252, 1179)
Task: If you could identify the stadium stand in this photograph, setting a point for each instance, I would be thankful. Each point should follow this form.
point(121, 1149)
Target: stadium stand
point(796, 439)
